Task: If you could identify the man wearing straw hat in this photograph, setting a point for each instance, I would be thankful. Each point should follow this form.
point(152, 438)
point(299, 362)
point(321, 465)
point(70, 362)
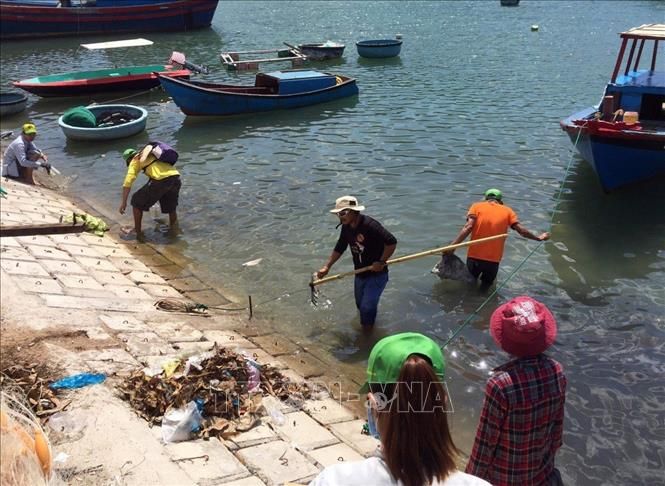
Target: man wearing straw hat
point(22, 156)
point(489, 218)
point(521, 423)
point(371, 246)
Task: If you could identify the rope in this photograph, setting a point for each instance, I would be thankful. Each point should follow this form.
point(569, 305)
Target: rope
point(126, 97)
point(540, 243)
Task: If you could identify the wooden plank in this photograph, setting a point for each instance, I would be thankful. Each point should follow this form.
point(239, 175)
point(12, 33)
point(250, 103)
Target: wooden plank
point(41, 229)
point(119, 43)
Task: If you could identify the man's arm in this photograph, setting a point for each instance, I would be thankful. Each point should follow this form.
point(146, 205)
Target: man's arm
point(323, 271)
point(528, 234)
point(388, 251)
point(132, 172)
point(464, 232)
point(123, 203)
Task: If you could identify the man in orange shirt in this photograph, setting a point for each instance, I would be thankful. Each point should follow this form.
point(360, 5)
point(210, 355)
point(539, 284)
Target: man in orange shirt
point(490, 218)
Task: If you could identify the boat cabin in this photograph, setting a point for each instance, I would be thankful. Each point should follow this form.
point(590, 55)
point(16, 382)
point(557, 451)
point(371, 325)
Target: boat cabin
point(638, 88)
point(294, 82)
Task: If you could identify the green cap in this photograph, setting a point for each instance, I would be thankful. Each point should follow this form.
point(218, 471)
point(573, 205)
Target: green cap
point(128, 154)
point(390, 353)
point(493, 194)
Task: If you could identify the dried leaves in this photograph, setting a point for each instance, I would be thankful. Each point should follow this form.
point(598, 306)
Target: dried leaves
point(27, 382)
point(220, 387)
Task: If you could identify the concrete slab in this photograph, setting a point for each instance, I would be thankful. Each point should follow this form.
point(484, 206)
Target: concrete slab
point(15, 267)
point(111, 278)
point(161, 291)
point(48, 252)
point(124, 323)
point(97, 240)
point(172, 271)
point(260, 356)
point(61, 267)
point(350, 433)
point(94, 293)
point(102, 264)
point(98, 334)
point(36, 240)
point(146, 277)
point(228, 339)
point(16, 253)
point(192, 348)
point(155, 260)
point(208, 297)
point(121, 305)
point(220, 463)
point(129, 292)
point(328, 411)
point(188, 284)
point(145, 344)
point(302, 431)
point(305, 364)
point(277, 462)
point(128, 264)
point(249, 481)
point(41, 218)
point(9, 242)
point(334, 454)
point(80, 282)
point(41, 285)
point(176, 331)
point(71, 239)
point(81, 250)
point(109, 361)
point(276, 345)
point(259, 434)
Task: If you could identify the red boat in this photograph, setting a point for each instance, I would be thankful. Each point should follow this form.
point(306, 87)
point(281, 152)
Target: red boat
point(133, 78)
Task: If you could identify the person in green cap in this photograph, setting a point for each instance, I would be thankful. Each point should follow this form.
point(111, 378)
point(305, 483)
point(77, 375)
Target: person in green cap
point(163, 186)
point(406, 411)
point(22, 156)
point(490, 218)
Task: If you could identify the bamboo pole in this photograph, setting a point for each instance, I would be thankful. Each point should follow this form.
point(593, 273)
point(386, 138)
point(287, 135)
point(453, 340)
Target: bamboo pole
point(407, 258)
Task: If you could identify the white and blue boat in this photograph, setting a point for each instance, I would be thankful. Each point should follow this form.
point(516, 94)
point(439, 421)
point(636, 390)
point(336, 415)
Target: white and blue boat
point(271, 91)
point(623, 137)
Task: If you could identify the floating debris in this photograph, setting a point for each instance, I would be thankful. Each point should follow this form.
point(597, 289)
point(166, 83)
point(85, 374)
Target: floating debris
point(251, 263)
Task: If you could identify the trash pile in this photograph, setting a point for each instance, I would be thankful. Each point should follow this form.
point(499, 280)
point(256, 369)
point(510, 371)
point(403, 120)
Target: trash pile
point(216, 394)
point(27, 382)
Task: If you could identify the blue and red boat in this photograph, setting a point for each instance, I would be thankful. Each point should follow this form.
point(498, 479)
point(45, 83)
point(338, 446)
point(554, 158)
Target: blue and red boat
point(623, 138)
point(271, 91)
point(39, 18)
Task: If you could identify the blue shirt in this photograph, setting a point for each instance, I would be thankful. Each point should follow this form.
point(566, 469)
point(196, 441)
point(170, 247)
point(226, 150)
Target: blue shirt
point(17, 154)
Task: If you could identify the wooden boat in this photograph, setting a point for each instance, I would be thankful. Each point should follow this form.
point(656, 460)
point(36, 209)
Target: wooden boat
point(251, 60)
point(134, 78)
point(271, 91)
point(107, 129)
point(12, 102)
point(379, 48)
point(321, 51)
point(623, 137)
point(32, 19)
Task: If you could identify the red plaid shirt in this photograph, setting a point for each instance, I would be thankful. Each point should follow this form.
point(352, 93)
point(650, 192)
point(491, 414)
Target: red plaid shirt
point(521, 423)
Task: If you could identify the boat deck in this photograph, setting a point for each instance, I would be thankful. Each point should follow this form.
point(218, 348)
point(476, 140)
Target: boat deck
point(642, 81)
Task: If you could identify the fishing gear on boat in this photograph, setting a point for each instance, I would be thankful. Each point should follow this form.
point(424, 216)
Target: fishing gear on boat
point(436, 251)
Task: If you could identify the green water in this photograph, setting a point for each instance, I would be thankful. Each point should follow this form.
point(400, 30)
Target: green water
point(472, 102)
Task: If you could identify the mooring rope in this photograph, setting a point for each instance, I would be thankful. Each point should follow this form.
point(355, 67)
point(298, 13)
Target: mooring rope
point(537, 247)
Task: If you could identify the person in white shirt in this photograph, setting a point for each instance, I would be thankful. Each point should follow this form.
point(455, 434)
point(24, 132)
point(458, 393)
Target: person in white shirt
point(407, 413)
point(22, 156)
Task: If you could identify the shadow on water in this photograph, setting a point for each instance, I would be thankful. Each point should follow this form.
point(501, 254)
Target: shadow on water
point(600, 238)
point(378, 62)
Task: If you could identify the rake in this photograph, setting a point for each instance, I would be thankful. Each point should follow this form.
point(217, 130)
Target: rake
point(436, 251)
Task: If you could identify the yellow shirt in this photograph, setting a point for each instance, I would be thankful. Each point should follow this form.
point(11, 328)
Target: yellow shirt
point(154, 169)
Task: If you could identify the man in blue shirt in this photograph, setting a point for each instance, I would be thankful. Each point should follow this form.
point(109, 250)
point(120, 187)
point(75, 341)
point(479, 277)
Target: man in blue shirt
point(22, 156)
point(371, 245)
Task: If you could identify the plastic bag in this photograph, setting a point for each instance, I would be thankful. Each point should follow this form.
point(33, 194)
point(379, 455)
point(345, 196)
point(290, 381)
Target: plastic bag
point(78, 381)
point(179, 423)
point(253, 375)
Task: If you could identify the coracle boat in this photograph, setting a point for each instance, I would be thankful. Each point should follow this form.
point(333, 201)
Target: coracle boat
point(623, 137)
point(35, 19)
point(133, 78)
point(12, 102)
point(105, 122)
point(379, 48)
point(271, 91)
point(322, 51)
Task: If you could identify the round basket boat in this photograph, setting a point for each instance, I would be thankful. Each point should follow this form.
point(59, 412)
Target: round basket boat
point(379, 48)
point(12, 102)
point(129, 120)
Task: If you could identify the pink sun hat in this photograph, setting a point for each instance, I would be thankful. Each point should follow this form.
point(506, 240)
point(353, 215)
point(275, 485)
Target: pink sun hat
point(523, 327)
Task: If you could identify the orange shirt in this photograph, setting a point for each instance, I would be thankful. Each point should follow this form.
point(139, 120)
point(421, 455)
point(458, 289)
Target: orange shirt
point(492, 219)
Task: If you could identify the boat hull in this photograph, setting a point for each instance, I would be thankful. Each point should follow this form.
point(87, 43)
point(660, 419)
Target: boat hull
point(380, 48)
point(11, 103)
point(107, 133)
point(29, 21)
point(618, 158)
point(100, 81)
point(195, 100)
point(320, 52)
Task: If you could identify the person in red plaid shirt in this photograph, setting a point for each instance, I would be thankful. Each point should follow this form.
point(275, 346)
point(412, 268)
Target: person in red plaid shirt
point(521, 423)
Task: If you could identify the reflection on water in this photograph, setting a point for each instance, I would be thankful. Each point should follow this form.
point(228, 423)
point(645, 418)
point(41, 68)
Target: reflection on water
point(472, 102)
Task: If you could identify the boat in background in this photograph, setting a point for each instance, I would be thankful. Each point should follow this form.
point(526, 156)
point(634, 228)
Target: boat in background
point(271, 91)
point(78, 83)
point(12, 102)
point(623, 138)
point(36, 19)
point(320, 51)
point(510, 3)
point(379, 48)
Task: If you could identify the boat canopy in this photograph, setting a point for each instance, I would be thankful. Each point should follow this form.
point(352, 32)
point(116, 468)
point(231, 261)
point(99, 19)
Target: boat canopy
point(119, 43)
point(639, 36)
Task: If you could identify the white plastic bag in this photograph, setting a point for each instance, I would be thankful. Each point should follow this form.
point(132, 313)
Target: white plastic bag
point(179, 423)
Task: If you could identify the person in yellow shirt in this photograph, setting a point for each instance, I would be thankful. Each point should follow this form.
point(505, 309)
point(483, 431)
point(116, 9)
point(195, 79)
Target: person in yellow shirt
point(163, 185)
point(490, 218)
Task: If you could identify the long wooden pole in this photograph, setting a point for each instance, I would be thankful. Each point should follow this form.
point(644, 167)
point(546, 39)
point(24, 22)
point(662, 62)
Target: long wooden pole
point(407, 258)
